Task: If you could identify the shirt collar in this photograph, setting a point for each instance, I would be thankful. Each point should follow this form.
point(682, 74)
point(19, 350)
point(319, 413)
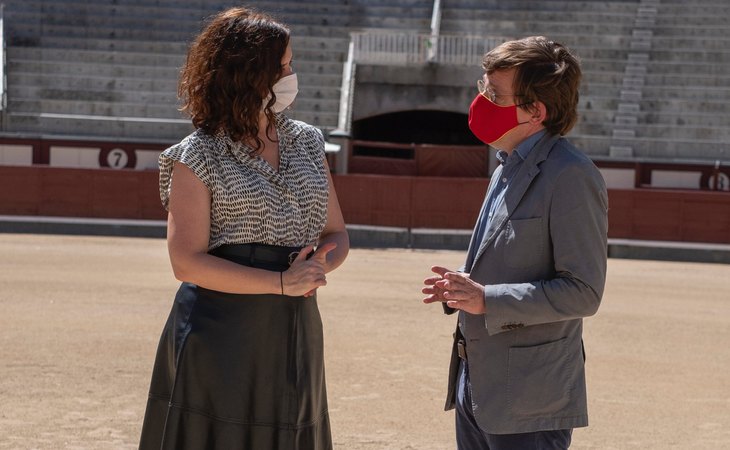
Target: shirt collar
point(523, 148)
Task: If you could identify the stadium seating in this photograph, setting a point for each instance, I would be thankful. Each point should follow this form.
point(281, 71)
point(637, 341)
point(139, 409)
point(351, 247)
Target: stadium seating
point(655, 87)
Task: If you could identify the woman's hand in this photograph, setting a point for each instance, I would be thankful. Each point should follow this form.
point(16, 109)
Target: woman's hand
point(304, 275)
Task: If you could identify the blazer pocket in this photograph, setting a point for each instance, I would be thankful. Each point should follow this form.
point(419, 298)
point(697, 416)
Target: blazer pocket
point(523, 244)
point(539, 379)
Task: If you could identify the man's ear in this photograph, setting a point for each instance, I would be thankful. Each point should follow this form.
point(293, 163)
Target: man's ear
point(538, 112)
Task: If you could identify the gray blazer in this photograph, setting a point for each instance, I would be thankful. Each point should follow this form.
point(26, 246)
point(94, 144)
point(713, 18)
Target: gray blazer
point(543, 262)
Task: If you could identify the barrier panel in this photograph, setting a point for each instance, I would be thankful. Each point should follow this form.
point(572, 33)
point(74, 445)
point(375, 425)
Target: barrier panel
point(669, 215)
point(96, 193)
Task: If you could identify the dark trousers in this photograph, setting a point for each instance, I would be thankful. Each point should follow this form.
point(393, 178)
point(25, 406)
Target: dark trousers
point(470, 437)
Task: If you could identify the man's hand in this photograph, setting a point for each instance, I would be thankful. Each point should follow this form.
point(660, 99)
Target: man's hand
point(455, 289)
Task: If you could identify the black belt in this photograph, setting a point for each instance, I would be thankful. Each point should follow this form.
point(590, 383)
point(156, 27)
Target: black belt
point(256, 255)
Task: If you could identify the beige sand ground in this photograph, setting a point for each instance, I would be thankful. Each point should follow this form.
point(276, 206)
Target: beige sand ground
point(80, 319)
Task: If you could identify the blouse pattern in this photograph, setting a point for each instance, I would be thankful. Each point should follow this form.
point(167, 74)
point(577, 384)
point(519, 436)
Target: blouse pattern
point(250, 201)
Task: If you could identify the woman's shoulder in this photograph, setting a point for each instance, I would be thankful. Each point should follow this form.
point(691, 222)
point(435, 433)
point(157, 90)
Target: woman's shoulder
point(296, 128)
point(196, 142)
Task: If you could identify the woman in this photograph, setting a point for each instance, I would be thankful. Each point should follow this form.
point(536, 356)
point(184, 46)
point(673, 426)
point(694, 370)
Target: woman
point(240, 362)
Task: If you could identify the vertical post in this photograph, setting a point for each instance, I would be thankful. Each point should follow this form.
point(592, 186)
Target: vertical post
point(3, 77)
point(435, 31)
point(342, 134)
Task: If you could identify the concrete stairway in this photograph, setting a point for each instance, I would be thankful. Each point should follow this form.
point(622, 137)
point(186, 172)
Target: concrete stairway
point(684, 108)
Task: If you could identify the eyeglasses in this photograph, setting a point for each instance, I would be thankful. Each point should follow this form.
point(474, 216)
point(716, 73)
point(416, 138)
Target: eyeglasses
point(490, 94)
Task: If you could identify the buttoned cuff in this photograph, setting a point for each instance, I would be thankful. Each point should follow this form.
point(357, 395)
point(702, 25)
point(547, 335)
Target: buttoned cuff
point(491, 293)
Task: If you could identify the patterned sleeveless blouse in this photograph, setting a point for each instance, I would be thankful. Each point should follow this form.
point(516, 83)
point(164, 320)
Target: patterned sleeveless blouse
point(250, 201)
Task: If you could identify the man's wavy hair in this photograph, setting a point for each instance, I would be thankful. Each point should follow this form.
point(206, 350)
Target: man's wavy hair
point(546, 71)
point(229, 72)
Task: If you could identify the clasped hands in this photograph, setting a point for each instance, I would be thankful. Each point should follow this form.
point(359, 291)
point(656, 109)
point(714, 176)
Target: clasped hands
point(304, 275)
point(455, 289)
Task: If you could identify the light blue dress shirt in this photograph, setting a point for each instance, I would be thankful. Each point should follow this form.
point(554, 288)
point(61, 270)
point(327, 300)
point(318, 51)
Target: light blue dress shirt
point(511, 164)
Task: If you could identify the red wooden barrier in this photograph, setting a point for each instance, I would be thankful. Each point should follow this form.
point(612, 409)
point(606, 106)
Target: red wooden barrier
point(653, 214)
point(98, 193)
point(398, 201)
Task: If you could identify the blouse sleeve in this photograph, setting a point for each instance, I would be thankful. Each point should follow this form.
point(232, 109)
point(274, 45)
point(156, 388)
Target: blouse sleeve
point(189, 154)
point(316, 148)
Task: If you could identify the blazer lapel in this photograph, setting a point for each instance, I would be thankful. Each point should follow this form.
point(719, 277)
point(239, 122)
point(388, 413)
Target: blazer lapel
point(518, 186)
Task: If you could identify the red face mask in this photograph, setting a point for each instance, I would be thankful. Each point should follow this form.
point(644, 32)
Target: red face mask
point(490, 121)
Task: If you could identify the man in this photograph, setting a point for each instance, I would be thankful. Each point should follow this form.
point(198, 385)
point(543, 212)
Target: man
point(536, 264)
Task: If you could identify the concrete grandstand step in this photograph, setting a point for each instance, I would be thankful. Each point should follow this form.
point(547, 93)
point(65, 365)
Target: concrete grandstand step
point(682, 30)
point(322, 119)
point(134, 46)
point(687, 106)
point(319, 81)
point(515, 28)
point(692, 93)
point(604, 65)
point(718, 8)
point(595, 116)
point(96, 56)
point(601, 77)
point(599, 89)
point(721, 57)
point(299, 44)
point(575, 15)
point(686, 131)
point(95, 15)
point(676, 150)
point(689, 80)
point(36, 31)
point(598, 103)
point(321, 31)
point(540, 5)
point(595, 128)
point(29, 10)
point(94, 95)
point(92, 69)
point(386, 17)
point(585, 53)
point(683, 43)
point(316, 105)
point(600, 41)
point(20, 80)
point(675, 68)
point(96, 108)
point(717, 20)
point(117, 127)
point(680, 119)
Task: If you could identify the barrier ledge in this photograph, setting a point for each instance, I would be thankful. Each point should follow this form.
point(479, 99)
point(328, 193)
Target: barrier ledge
point(83, 226)
point(368, 236)
point(669, 251)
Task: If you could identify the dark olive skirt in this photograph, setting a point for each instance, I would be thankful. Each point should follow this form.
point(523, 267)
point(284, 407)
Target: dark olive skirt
point(239, 371)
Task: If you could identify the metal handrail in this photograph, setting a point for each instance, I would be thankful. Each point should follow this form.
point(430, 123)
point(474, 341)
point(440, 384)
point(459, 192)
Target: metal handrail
point(402, 48)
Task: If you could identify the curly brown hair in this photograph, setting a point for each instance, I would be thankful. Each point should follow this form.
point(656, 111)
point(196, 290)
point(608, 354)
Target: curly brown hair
point(229, 72)
point(545, 71)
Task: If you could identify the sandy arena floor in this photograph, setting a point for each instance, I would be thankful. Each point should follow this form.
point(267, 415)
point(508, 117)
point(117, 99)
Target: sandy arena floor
point(80, 318)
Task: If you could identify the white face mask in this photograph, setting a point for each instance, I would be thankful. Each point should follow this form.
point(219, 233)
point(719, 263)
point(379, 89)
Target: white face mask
point(286, 90)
